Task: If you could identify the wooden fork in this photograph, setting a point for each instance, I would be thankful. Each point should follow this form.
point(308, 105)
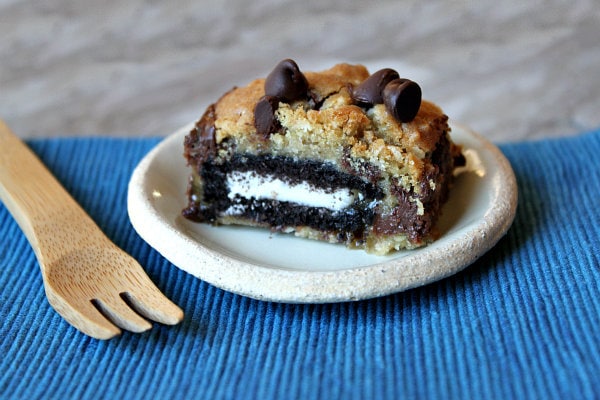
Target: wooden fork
point(89, 281)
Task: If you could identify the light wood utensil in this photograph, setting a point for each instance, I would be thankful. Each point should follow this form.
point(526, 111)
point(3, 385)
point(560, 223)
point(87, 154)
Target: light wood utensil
point(89, 281)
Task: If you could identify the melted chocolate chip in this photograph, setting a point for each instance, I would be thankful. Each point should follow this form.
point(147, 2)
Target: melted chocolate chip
point(286, 82)
point(402, 98)
point(264, 116)
point(200, 144)
point(370, 91)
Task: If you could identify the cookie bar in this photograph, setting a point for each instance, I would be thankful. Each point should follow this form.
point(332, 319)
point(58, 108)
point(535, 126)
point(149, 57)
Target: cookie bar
point(339, 155)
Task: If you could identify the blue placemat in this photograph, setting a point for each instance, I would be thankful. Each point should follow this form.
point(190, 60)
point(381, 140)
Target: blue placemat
point(522, 322)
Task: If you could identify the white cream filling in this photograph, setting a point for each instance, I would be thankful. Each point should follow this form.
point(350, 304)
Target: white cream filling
point(249, 184)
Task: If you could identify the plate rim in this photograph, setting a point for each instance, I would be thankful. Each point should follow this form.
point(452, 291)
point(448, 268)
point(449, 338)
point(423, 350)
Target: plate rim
point(307, 286)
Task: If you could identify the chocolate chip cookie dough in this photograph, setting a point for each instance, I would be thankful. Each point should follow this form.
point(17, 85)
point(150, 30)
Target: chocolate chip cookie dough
point(340, 155)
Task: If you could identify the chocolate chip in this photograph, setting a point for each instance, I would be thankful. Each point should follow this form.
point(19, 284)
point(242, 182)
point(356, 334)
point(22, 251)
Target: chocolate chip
point(264, 116)
point(402, 98)
point(286, 82)
point(369, 92)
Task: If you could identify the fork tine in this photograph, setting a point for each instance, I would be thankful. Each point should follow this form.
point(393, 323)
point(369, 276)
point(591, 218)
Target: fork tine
point(119, 312)
point(84, 316)
point(154, 305)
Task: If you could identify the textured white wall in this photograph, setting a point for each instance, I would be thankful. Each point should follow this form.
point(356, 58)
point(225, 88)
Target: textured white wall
point(511, 69)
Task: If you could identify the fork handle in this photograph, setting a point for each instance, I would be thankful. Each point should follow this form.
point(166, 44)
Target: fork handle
point(36, 200)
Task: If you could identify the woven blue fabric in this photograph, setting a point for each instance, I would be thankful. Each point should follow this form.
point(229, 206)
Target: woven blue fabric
point(522, 322)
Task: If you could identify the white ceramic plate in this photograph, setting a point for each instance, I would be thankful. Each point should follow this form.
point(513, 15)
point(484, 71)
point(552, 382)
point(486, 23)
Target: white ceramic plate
point(278, 267)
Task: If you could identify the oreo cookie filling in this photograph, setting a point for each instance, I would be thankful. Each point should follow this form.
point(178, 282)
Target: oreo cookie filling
point(281, 192)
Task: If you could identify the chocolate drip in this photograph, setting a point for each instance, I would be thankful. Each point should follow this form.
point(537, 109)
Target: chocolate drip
point(405, 217)
point(200, 144)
